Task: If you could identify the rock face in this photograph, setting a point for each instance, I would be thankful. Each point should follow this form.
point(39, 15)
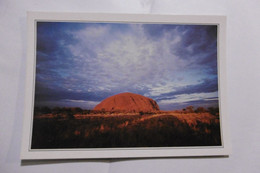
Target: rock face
point(128, 102)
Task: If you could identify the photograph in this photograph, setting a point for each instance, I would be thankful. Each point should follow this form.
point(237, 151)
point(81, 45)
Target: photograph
point(125, 85)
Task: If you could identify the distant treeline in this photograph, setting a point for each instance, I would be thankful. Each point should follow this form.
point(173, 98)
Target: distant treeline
point(70, 111)
point(191, 109)
point(62, 110)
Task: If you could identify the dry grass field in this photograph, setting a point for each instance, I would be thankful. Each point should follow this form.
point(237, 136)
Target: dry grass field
point(81, 129)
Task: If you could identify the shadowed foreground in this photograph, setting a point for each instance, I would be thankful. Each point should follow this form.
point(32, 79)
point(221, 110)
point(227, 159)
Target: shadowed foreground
point(125, 130)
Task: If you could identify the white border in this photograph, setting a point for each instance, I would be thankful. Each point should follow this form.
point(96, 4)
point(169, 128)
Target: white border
point(27, 153)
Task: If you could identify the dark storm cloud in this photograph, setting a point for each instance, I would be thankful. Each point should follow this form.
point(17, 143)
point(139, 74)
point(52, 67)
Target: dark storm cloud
point(206, 86)
point(155, 31)
point(200, 44)
point(91, 61)
point(197, 46)
point(55, 94)
point(49, 34)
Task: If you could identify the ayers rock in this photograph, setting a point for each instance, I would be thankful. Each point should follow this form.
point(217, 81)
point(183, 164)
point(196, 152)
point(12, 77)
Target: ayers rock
point(128, 102)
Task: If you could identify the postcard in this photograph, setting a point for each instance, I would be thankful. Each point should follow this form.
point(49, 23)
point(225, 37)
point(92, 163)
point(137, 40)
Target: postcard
point(125, 86)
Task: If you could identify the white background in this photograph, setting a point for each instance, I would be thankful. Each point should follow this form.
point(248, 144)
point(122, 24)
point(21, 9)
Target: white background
point(243, 82)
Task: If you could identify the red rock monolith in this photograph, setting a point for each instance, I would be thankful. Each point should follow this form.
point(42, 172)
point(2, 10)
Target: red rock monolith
point(128, 102)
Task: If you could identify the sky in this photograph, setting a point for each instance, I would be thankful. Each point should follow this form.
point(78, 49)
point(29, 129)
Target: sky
point(81, 64)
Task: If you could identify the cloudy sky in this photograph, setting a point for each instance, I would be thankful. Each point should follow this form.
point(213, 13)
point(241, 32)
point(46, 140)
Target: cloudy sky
point(80, 64)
